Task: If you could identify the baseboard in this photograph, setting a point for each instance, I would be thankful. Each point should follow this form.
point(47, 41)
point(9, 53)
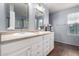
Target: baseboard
point(67, 43)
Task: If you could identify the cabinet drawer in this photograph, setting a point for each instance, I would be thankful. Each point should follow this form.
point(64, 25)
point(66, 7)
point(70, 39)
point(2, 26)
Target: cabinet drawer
point(52, 37)
point(46, 52)
point(37, 39)
point(37, 48)
point(46, 42)
point(37, 52)
point(37, 45)
point(46, 37)
point(22, 52)
point(14, 46)
point(46, 48)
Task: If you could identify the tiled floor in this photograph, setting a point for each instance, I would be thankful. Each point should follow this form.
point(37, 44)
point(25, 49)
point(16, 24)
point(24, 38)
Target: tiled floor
point(62, 49)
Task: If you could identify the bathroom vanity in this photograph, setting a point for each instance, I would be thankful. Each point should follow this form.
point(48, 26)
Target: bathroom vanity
point(27, 43)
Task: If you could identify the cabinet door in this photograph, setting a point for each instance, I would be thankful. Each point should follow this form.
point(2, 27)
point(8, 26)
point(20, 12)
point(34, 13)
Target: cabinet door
point(22, 52)
point(25, 52)
point(18, 53)
point(46, 43)
point(52, 41)
point(37, 46)
point(10, 48)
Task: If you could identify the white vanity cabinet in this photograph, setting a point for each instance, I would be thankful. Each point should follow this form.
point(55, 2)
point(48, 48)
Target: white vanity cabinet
point(34, 46)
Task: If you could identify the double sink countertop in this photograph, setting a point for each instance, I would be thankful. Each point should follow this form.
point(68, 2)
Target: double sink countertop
point(6, 36)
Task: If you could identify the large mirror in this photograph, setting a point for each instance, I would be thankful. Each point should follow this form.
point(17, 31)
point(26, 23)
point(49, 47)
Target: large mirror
point(19, 13)
point(39, 15)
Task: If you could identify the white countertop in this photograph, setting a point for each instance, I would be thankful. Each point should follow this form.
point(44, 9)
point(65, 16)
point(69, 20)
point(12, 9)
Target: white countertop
point(15, 36)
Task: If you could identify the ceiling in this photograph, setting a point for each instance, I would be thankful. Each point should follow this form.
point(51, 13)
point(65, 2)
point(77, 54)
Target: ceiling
point(55, 7)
